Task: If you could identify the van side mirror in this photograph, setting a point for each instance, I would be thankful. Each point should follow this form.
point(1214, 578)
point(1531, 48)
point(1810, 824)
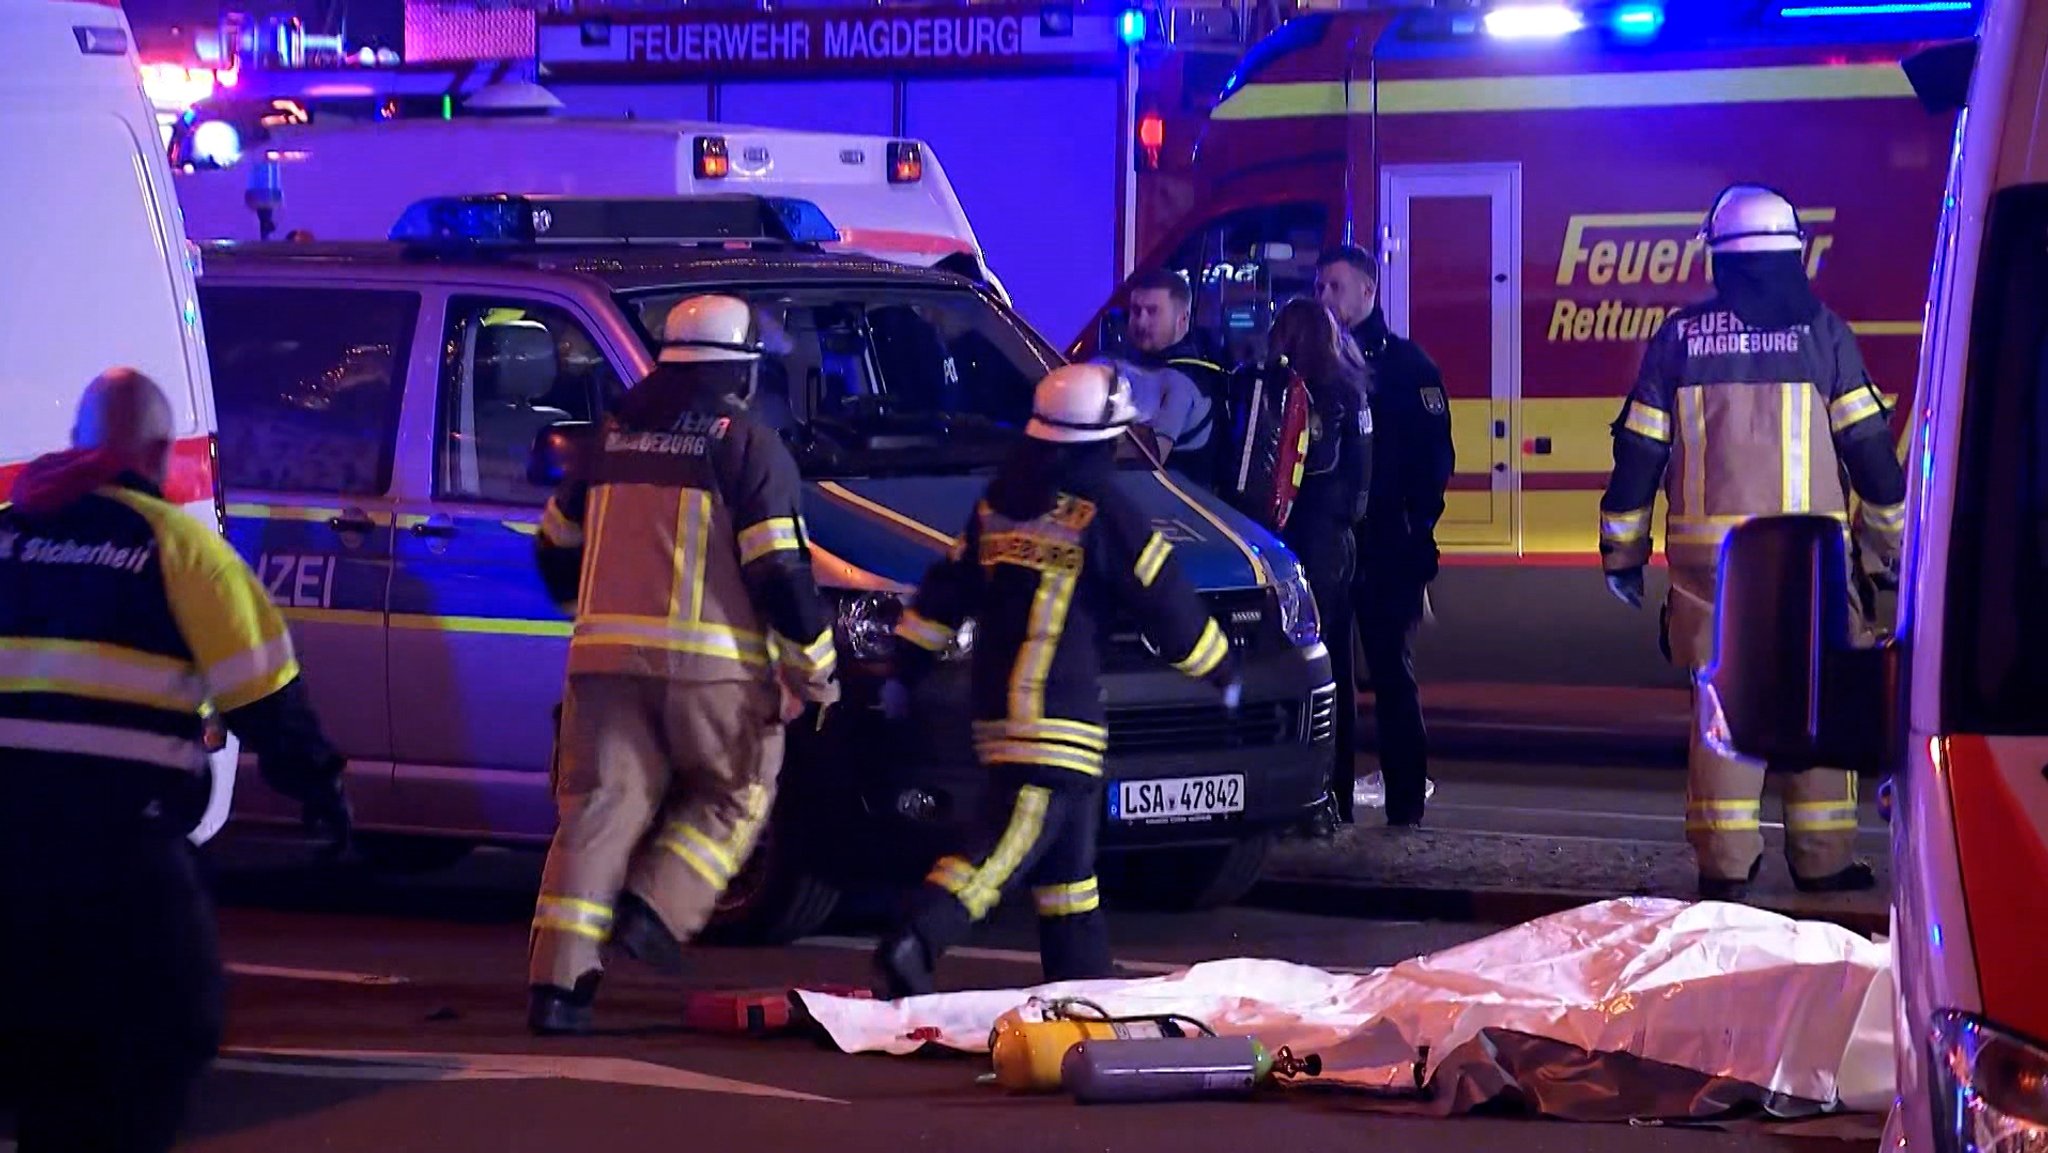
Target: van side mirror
point(557, 451)
point(1789, 685)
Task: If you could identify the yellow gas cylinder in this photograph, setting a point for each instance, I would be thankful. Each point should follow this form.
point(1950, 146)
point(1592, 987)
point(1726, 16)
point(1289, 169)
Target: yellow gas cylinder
point(1027, 1044)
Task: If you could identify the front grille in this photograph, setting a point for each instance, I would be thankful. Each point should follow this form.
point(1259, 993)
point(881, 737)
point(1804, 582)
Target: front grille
point(1245, 615)
point(1206, 728)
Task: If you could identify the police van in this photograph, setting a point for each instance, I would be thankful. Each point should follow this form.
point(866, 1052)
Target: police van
point(95, 254)
point(381, 404)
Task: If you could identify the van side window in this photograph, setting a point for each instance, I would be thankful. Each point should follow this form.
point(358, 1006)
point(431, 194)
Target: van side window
point(306, 384)
point(1245, 263)
point(1996, 648)
point(510, 369)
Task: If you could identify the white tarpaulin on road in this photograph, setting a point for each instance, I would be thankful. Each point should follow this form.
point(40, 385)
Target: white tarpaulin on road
point(1629, 1008)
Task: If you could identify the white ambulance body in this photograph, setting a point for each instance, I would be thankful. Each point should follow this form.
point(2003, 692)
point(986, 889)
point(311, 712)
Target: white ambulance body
point(1953, 707)
point(98, 270)
point(351, 179)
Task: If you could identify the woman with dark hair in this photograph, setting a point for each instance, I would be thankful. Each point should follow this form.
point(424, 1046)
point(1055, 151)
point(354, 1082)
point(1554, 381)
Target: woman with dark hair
point(1307, 339)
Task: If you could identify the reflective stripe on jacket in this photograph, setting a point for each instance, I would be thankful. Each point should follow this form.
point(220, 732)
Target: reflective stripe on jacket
point(121, 619)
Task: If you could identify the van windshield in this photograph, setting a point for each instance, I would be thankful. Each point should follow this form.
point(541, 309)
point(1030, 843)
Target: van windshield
point(883, 379)
point(1996, 659)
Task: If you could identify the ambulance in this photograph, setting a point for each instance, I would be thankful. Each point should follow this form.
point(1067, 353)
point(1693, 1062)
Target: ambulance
point(1534, 176)
point(1954, 704)
point(339, 177)
point(95, 256)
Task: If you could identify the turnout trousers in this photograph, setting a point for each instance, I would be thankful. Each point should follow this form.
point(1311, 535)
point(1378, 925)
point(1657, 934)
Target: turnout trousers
point(1037, 828)
point(662, 789)
point(1724, 795)
point(114, 988)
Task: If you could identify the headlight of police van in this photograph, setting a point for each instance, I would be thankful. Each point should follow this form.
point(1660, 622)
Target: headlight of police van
point(866, 628)
point(1991, 1087)
point(1298, 616)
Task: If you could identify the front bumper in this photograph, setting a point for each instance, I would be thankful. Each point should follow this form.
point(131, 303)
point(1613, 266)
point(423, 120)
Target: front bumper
point(880, 796)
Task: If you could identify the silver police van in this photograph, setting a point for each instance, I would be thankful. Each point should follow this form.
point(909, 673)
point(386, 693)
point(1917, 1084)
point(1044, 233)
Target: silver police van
point(380, 405)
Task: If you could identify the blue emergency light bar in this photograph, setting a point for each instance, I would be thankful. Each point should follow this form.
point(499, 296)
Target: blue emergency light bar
point(503, 220)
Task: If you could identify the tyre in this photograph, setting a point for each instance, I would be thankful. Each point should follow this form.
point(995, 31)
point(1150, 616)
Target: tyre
point(395, 853)
point(1188, 880)
point(775, 898)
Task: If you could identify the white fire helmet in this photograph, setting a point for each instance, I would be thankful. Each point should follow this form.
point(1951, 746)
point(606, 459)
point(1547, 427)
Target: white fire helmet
point(1752, 218)
point(703, 329)
point(1077, 403)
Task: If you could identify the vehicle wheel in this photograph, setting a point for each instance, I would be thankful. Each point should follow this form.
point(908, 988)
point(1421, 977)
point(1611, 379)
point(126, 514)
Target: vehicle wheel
point(774, 900)
point(1188, 880)
point(395, 853)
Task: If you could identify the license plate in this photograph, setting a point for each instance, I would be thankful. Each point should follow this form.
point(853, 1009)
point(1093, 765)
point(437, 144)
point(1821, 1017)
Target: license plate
point(1174, 799)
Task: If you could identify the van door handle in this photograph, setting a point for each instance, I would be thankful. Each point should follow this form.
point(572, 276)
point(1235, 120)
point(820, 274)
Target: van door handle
point(434, 526)
point(352, 520)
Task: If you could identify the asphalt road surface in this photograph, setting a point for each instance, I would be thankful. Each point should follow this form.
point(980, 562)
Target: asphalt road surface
point(387, 1017)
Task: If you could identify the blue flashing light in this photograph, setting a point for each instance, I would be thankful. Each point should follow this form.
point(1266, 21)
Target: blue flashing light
point(513, 221)
point(1130, 25)
point(1898, 9)
point(1638, 21)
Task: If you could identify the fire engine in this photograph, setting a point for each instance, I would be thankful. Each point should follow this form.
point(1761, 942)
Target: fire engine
point(1533, 176)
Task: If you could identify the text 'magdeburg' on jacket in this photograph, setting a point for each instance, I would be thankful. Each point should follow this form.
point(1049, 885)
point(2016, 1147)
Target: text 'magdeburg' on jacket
point(681, 543)
point(123, 622)
point(1050, 554)
point(1736, 422)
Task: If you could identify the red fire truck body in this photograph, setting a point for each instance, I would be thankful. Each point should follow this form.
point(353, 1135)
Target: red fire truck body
point(1535, 205)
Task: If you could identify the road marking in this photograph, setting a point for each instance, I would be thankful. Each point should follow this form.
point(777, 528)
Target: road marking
point(1025, 957)
point(398, 1065)
point(329, 976)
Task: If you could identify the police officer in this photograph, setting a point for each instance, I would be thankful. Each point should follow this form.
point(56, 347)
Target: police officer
point(1052, 550)
point(1752, 403)
point(1397, 552)
point(121, 620)
point(699, 635)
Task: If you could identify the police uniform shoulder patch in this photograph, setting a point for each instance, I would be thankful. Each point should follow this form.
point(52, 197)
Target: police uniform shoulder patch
point(1433, 401)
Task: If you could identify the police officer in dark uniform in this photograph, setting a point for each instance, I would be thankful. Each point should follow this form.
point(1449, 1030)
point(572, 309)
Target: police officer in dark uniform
point(1052, 550)
point(121, 619)
point(1397, 553)
point(1752, 403)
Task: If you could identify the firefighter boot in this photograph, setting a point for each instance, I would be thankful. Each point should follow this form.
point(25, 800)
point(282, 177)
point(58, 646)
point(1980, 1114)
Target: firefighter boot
point(903, 967)
point(642, 935)
point(1858, 877)
point(1721, 889)
point(554, 1012)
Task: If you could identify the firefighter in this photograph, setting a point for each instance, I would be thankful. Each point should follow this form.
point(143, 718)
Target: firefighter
point(699, 634)
point(1752, 403)
point(1052, 550)
point(122, 619)
point(1397, 552)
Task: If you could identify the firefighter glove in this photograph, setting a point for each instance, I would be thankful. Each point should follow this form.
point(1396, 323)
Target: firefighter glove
point(1627, 586)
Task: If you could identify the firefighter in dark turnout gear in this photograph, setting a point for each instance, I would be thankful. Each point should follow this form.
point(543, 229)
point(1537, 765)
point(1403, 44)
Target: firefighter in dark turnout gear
point(1052, 550)
point(122, 619)
point(1752, 403)
point(699, 635)
point(1413, 460)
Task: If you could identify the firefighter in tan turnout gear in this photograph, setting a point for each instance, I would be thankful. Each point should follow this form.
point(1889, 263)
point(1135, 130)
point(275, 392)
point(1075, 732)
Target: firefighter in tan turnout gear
point(1753, 403)
point(699, 634)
